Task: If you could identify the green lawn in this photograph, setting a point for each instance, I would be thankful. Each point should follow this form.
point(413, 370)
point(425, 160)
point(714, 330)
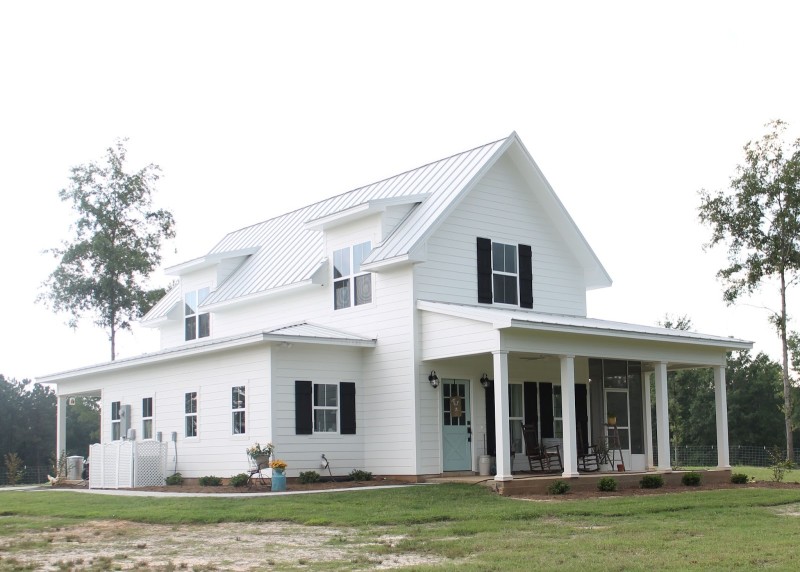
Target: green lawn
point(468, 528)
point(765, 473)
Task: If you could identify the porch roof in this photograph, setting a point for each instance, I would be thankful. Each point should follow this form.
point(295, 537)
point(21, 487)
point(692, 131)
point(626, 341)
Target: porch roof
point(503, 318)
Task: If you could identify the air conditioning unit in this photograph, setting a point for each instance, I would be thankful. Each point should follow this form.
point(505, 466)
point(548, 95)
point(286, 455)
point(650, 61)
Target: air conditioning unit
point(124, 419)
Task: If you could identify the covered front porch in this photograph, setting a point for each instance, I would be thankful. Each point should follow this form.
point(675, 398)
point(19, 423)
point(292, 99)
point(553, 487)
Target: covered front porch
point(563, 376)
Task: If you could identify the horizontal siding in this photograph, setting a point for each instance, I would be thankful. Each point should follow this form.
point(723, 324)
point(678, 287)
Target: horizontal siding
point(502, 208)
point(447, 336)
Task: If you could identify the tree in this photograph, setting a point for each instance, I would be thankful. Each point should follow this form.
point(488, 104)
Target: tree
point(27, 420)
point(115, 247)
point(758, 218)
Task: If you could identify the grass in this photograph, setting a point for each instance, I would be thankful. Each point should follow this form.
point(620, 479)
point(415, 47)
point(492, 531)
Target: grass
point(473, 529)
point(765, 474)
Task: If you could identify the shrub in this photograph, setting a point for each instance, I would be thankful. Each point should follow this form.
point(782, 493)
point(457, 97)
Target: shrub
point(15, 468)
point(558, 488)
point(209, 481)
point(359, 475)
point(308, 477)
point(739, 479)
point(239, 480)
point(652, 482)
point(691, 479)
point(779, 464)
point(175, 479)
point(607, 484)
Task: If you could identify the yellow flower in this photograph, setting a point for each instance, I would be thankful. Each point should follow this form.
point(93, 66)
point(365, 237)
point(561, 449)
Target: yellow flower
point(277, 464)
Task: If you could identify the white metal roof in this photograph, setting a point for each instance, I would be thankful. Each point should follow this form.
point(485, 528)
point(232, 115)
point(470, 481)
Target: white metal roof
point(162, 307)
point(510, 318)
point(288, 250)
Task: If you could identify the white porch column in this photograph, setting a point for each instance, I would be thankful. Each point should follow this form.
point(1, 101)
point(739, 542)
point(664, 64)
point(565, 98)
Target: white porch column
point(721, 401)
point(568, 416)
point(61, 425)
point(648, 422)
point(662, 417)
point(501, 429)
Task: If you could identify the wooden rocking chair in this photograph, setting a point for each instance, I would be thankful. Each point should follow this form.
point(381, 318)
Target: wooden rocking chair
point(588, 455)
point(548, 459)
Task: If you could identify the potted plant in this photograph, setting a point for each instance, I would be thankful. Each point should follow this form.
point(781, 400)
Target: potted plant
point(261, 453)
point(278, 467)
point(612, 419)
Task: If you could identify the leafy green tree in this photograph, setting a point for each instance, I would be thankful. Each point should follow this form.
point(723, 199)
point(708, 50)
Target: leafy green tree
point(754, 387)
point(116, 245)
point(83, 425)
point(27, 420)
point(758, 219)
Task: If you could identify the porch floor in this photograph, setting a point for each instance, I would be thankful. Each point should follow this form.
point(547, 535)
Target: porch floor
point(526, 483)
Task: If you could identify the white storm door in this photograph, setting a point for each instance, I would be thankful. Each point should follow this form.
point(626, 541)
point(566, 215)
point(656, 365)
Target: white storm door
point(456, 426)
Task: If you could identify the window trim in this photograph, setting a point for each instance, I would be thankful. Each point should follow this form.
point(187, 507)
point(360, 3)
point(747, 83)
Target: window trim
point(188, 414)
point(505, 273)
point(240, 410)
point(150, 418)
point(197, 316)
point(353, 273)
point(315, 407)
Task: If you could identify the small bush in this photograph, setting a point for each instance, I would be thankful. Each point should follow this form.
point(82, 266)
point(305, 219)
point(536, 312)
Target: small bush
point(739, 479)
point(308, 477)
point(607, 484)
point(691, 479)
point(209, 481)
point(15, 468)
point(239, 480)
point(652, 482)
point(558, 488)
point(779, 464)
point(359, 475)
point(175, 479)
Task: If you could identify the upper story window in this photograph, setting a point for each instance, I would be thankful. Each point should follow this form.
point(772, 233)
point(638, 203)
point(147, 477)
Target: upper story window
point(147, 418)
point(505, 273)
point(351, 287)
point(237, 409)
point(196, 325)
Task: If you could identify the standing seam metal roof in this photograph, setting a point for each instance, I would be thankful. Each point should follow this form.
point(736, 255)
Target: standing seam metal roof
point(290, 254)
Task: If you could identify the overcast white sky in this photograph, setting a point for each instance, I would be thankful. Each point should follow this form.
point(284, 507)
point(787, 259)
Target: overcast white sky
point(255, 108)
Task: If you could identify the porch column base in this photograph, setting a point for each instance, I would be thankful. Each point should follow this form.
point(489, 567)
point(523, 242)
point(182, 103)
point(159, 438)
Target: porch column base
point(567, 475)
point(503, 478)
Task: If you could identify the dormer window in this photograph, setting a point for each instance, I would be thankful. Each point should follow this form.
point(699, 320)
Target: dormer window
point(351, 287)
point(505, 273)
point(196, 325)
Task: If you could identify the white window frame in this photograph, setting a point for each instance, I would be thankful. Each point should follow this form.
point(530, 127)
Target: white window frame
point(352, 256)
point(519, 444)
point(116, 420)
point(502, 271)
point(325, 408)
point(238, 408)
point(188, 414)
point(147, 420)
point(200, 294)
point(558, 412)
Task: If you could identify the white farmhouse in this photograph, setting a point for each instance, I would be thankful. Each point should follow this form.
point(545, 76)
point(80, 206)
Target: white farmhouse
point(409, 327)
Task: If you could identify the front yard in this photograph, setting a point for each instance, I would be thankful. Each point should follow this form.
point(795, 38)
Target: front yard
point(461, 527)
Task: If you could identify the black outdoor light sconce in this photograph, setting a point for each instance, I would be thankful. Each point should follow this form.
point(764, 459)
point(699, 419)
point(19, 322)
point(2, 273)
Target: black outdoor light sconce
point(485, 381)
point(434, 379)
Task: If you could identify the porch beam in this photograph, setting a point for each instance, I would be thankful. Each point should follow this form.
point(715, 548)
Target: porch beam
point(568, 416)
point(721, 401)
point(501, 430)
point(662, 417)
point(61, 426)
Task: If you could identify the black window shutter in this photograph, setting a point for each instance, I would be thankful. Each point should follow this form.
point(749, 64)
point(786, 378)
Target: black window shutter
point(531, 411)
point(581, 415)
point(546, 398)
point(302, 408)
point(484, 271)
point(490, 421)
point(348, 407)
point(525, 276)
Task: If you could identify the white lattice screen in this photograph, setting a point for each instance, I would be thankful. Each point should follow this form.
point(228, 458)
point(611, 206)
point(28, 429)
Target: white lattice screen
point(126, 464)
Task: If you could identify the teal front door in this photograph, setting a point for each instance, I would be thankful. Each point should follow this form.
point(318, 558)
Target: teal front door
point(456, 426)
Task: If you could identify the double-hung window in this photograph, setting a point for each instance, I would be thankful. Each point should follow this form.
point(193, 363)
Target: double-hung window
point(237, 409)
point(196, 325)
point(351, 286)
point(504, 273)
point(325, 408)
point(116, 421)
point(190, 413)
point(515, 416)
point(558, 421)
point(147, 418)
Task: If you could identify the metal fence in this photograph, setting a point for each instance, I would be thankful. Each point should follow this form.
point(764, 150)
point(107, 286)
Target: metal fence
point(30, 476)
point(706, 455)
